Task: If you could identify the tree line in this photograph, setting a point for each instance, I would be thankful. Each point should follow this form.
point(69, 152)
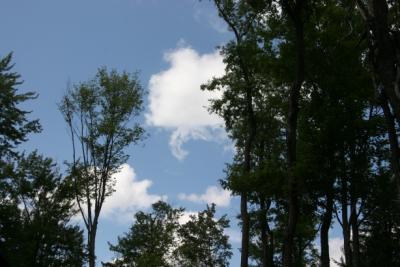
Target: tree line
point(310, 98)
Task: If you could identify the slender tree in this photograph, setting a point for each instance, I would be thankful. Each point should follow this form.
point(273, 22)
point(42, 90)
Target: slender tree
point(98, 114)
point(240, 23)
point(382, 21)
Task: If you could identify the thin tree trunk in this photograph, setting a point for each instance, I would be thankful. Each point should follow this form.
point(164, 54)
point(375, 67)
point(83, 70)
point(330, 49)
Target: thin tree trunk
point(92, 244)
point(271, 248)
point(393, 140)
point(247, 167)
point(326, 224)
point(91, 249)
point(384, 53)
point(263, 229)
point(266, 235)
point(245, 231)
point(295, 15)
point(345, 224)
point(355, 232)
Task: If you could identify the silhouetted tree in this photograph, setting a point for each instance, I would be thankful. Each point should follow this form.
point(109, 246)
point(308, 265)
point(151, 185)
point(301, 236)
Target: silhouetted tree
point(98, 114)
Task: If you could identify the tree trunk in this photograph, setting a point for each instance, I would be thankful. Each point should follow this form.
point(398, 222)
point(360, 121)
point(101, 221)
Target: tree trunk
point(393, 140)
point(385, 54)
point(91, 251)
point(345, 224)
point(245, 231)
point(271, 248)
point(263, 229)
point(384, 51)
point(92, 246)
point(388, 70)
point(293, 200)
point(326, 224)
point(355, 232)
point(266, 235)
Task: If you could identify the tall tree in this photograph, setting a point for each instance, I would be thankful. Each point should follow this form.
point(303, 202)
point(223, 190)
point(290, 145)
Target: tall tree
point(382, 24)
point(98, 114)
point(237, 104)
point(295, 11)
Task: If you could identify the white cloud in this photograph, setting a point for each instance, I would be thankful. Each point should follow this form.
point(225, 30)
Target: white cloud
point(213, 194)
point(186, 216)
point(130, 195)
point(176, 102)
point(335, 250)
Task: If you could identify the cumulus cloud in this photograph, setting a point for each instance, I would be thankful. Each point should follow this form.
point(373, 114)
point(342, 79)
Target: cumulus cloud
point(130, 195)
point(176, 102)
point(213, 194)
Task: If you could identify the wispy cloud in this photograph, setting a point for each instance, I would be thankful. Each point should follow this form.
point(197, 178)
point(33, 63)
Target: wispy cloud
point(210, 16)
point(212, 194)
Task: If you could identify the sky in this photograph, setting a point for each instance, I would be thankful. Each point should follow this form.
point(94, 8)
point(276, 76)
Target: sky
point(173, 45)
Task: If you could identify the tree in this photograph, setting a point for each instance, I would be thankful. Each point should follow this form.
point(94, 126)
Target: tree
point(381, 24)
point(203, 242)
point(157, 239)
point(237, 103)
point(98, 114)
point(247, 19)
point(44, 235)
point(14, 129)
point(14, 124)
point(151, 240)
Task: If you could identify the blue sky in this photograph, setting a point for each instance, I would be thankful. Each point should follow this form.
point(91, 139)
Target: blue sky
point(172, 43)
point(56, 42)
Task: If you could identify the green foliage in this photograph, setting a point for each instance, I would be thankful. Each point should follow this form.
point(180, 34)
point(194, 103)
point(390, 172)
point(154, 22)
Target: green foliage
point(203, 242)
point(341, 132)
point(38, 232)
point(151, 239)
point(157, 239)
point(381, 228)
point(99, 114)
point(14, 124)
point(35, 202)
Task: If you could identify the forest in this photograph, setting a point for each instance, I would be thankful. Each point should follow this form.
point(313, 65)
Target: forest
point(310, 98)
